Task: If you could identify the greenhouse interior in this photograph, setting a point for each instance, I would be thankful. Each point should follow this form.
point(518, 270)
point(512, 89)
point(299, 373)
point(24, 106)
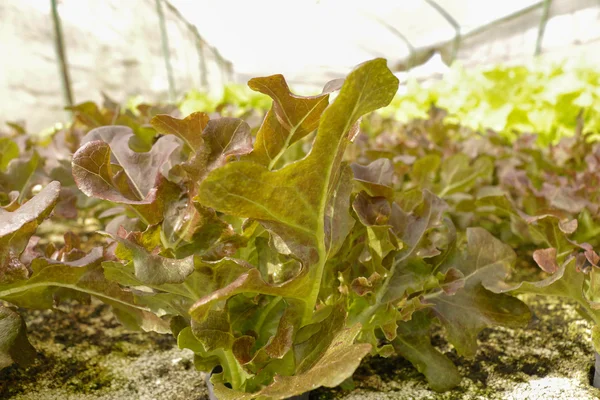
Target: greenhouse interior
point(416, 214)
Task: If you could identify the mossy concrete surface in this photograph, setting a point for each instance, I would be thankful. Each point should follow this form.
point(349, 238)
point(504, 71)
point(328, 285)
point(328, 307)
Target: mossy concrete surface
point(84, 354)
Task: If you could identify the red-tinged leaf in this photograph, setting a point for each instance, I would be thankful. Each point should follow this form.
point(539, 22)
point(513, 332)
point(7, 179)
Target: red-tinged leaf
point(362, 285)
point(568, 227)
point(472, 309)
point(293, 199)
point(485, 265)
point(280, 343)
point(546, 259)
point(106, 167)
point(291, 118)
point(188, 129)
point(376, 178)
point(209, 143)
point(412, 228)
point(226, 138)
point(453, 281)
point(16, 228)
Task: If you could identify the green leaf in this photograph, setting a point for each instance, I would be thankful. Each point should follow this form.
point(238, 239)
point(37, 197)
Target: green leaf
point(19, 174)
point(459, 173)
point(293, 199)
point(8, 151)
point(274, 266)
point(425, 169)
point(338, 363)
point(413, 343)
point(291, 118)
point(474, 308)
point(150, 268)
point(596, 338)
point(14, 345)
point(250, 282)
point(567, 281)
point(410, 277)
point(338, 221)
point(51, 281)
point(464, 314)
point(214, 332)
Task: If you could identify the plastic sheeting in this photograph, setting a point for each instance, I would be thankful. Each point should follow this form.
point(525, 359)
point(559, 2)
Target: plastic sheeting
point(116, 47)
point(112, 47)
point(314, 41)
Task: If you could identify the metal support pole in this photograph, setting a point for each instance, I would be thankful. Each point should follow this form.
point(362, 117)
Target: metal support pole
point(450, 19)
point(220, 63)
point(542, 28)
point(504, 19)
point(202, 63)
point(166, 51)
point(61, 55)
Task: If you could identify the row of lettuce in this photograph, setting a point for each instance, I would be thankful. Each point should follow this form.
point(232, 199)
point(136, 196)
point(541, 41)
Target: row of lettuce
point(543, 98)
point(287, 245)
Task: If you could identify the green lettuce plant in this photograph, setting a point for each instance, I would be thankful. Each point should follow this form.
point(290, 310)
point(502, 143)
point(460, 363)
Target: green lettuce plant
point(282, 258)
point(543, 98)
point(540, 200)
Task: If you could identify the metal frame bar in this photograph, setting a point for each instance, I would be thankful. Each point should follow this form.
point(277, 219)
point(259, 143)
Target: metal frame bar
point(165, 48)
point(542, 28)
point(508, 17)
point(452, 21)
point(61, 55)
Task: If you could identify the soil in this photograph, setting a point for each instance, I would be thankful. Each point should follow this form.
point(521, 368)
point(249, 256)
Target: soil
point(84, 354)
point(552, 358)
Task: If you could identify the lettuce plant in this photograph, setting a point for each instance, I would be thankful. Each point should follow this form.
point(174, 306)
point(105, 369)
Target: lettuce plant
point(542, 98)
point(541, 200)
point(280, 258)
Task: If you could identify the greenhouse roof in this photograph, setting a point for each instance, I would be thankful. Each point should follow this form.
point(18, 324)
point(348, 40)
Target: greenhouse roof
point(322, 39)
